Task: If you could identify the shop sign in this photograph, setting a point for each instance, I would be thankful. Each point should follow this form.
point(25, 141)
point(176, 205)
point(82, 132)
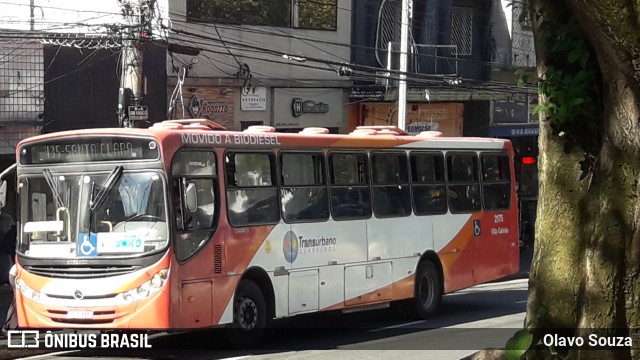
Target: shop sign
point(300, 106)
point(418, 127)
point(374, 93)
point(513, 131)
point(202, 108)
point(254, 100)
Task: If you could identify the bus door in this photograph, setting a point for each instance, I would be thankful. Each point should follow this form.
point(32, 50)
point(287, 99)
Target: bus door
point(350, 208)
point(493, 250)
point(395, 239)
point(462, 225)
point(195, 201)
point(320, 245)
point(256, 236)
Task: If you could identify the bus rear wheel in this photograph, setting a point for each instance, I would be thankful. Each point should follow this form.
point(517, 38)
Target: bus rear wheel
point(249, 316)
point(428, 290)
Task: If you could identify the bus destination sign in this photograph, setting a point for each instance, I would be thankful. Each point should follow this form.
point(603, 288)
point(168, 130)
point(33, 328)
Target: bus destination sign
point(94, 149)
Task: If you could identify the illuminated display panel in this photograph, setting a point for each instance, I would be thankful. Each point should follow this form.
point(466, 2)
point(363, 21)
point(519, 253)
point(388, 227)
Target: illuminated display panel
point(89, 150)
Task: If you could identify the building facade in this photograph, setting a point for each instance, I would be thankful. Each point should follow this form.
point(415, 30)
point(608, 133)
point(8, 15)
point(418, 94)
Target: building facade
point(244, 63)
point(60, 68)
point(452, 57)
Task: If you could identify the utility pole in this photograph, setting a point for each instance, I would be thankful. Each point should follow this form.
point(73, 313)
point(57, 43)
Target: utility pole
point(131, 90)
point(32, 15)
point(407, 5)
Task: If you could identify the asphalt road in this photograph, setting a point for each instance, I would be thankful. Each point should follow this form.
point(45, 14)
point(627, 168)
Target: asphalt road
point(477, 318)
point(469, 320)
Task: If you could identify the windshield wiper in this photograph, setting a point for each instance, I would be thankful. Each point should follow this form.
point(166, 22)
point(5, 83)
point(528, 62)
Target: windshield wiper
point(54, 188)
point(108, 185)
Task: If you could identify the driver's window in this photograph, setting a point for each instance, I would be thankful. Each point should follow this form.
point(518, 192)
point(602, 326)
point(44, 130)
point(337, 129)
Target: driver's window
point(195, 220)
point(202, 217)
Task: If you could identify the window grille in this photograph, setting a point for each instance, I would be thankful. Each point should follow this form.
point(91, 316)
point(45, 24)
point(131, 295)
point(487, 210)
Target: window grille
point(461, 30)
point(21, 83)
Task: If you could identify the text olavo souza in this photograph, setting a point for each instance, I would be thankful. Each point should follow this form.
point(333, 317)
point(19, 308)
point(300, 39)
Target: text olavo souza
point(593, 340)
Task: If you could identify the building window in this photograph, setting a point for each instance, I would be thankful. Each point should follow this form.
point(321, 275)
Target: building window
point(524, 18)
point(462, 30)
point(302, 14)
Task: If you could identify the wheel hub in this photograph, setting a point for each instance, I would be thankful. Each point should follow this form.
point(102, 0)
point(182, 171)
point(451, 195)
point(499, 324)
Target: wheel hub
point(247, 314)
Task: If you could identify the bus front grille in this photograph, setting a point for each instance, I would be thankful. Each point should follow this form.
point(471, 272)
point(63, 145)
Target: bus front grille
point(85, 272)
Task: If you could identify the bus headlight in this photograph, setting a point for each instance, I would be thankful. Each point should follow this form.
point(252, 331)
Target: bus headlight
point(146, 289)
point(26, 290)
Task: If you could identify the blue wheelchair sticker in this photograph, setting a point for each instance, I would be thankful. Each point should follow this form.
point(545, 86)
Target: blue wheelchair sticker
point(87, 245)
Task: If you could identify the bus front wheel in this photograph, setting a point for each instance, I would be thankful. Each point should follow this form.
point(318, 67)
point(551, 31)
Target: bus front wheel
point(428, 290)
point(249, 315)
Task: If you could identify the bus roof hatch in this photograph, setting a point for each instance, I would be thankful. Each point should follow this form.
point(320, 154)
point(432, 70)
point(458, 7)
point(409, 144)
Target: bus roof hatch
point(190, 124)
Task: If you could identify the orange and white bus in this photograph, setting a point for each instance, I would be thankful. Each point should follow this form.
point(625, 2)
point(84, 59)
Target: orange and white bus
point(188, 225)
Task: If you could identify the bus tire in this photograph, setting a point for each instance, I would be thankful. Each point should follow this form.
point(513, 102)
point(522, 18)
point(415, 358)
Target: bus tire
point(428, 290)
point(249, 316)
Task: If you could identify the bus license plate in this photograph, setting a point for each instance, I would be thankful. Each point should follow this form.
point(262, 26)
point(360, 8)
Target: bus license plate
point(80, 314)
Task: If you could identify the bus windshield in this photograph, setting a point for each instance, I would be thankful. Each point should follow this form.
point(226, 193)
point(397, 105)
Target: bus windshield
point(87, 215)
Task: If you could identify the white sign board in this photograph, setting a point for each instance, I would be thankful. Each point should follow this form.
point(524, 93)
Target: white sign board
point(255, 100)
point(120, 242)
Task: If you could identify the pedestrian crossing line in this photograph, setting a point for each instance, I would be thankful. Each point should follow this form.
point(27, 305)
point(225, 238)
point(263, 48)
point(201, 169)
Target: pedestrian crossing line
point(397, 326)
point(44, 356)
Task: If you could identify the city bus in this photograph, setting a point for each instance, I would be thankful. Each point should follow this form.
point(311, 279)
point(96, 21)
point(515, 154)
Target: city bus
point(187, 225)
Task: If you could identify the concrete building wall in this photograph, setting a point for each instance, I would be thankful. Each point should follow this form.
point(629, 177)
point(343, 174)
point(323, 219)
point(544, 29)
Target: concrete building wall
point(245, 43)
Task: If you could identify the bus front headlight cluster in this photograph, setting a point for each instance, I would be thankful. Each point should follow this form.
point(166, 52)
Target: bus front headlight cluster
point(146, 289)
point(26, 290)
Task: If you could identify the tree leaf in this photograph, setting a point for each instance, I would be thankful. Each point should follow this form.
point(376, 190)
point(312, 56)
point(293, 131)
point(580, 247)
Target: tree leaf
point(577, 101)
point(574, 55)
point(518, 344)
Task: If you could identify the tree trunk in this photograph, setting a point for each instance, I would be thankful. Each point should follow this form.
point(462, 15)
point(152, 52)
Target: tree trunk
point(585, 274)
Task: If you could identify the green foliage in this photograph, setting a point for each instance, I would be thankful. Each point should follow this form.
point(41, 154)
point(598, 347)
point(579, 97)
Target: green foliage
point(518, 344)
point(523, 78)
point(571, 100)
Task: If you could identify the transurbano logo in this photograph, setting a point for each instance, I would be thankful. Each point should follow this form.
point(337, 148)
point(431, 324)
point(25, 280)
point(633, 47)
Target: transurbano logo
point(293, 245)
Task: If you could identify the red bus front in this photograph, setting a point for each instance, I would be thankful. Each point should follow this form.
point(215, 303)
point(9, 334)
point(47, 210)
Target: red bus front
point(94, 227)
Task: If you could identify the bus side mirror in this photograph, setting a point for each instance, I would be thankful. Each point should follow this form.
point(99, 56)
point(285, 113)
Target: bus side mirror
point(3, 193)
point(191, 197)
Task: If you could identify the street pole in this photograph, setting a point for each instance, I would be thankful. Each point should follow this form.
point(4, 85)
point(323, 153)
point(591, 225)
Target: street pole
point(32, 15)
point(132, 81)
point(404, 45)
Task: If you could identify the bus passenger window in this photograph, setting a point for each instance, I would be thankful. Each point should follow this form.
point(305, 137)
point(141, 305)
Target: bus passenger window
point(496, 181)
point(252, 196)
point(391, 196)
point(350, 194)
point(303, 187)
point(463, 186)
point(428, 184)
